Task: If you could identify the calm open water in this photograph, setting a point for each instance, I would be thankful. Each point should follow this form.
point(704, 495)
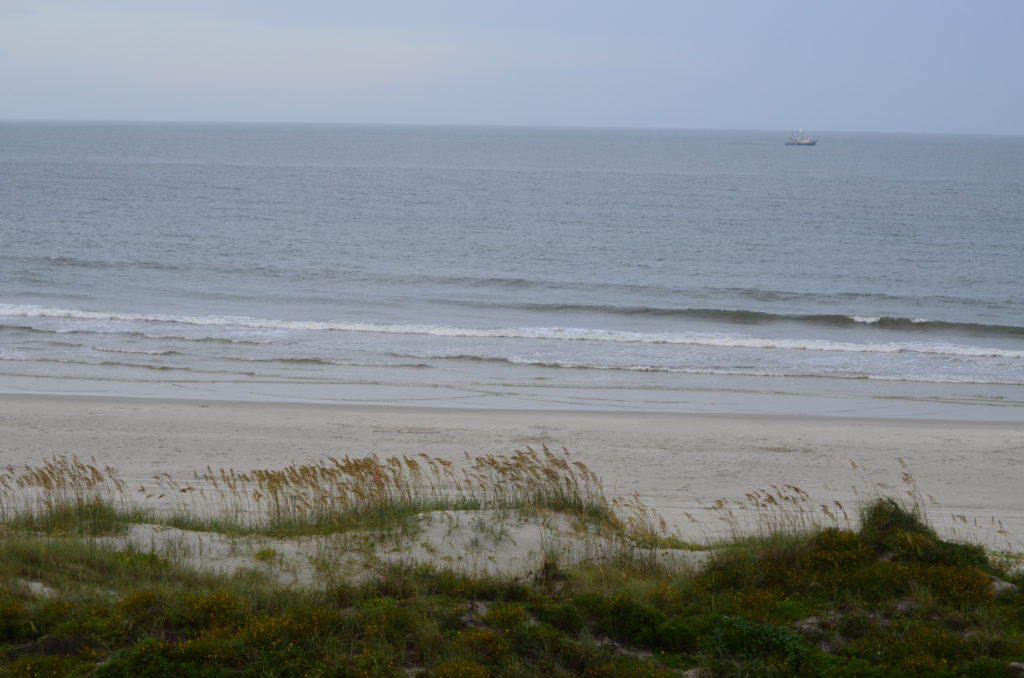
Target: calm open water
point(876, 275)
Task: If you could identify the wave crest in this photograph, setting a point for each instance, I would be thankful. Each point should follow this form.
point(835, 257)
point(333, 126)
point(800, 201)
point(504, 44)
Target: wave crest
point(534, 333)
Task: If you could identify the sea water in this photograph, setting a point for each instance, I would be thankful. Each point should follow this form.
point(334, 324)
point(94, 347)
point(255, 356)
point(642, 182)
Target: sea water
point(685, 271)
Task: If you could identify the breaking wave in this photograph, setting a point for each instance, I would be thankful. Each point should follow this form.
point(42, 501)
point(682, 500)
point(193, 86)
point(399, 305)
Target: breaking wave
point(746, 317)
point(712, 370)
point(534, 333)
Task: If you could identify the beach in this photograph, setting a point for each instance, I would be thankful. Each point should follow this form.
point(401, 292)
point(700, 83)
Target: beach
point(666, 305)
point(967, 474)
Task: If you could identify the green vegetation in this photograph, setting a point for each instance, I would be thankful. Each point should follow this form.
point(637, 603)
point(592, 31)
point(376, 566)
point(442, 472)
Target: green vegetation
point(884, 597)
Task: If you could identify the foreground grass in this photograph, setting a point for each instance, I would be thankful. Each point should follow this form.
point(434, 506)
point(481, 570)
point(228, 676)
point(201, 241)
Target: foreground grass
point(885, 598)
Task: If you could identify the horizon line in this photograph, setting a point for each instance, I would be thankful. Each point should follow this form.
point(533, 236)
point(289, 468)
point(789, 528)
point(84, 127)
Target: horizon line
point(477, 125)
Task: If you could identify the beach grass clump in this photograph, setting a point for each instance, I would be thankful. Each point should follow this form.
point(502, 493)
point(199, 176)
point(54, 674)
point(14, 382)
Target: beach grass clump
point(777, 511)
point(371, 493)
point(903, 534)
point(65, 495)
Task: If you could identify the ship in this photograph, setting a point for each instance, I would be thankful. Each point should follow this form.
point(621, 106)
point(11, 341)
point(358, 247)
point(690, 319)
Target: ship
point(800, 139)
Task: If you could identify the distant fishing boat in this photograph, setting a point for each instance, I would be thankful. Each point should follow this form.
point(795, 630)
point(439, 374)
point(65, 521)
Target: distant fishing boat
point(800, 139)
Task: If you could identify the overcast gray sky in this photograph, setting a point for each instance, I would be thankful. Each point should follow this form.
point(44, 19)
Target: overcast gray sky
point(857, 65)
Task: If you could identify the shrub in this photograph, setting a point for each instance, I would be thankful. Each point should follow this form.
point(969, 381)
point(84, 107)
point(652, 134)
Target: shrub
point(985, 667)
point(277, 631)
point(834, 555)
point(629, 667)
point(925, 639)
point(676, 634)
point(564, 616)
point(140, 605)
point(217, 609)
point(758, 604)
point(486, 644)
point(460, 668)
point(539, 641)
point(734, 637)
point(506, 615)
point(153, 659)
point(14, 621)
point(42, 666)
point(957, 585)
point(883, 518)
point(385, 619)
point(630, 620)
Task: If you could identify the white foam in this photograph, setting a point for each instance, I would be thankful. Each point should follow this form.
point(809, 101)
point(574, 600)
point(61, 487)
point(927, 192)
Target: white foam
point(738, 372)
point(540, 333)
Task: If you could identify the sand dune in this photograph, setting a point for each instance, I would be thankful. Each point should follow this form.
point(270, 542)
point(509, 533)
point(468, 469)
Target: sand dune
point(679, 464)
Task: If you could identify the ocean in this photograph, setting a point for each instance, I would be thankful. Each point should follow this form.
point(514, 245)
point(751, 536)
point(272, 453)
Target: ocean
point(646, 270)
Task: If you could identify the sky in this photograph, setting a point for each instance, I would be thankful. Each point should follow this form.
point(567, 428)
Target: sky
point(928, 66)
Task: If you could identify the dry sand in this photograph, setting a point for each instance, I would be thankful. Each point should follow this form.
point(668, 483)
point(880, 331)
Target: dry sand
point(679, 464)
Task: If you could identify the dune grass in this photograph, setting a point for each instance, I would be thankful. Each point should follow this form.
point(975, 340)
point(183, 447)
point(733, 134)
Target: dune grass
point(336, 495)
point(797, 590)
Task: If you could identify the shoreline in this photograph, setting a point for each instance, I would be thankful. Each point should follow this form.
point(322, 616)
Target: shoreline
point(679, 464)
point(696, 398)
point(450, 409)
